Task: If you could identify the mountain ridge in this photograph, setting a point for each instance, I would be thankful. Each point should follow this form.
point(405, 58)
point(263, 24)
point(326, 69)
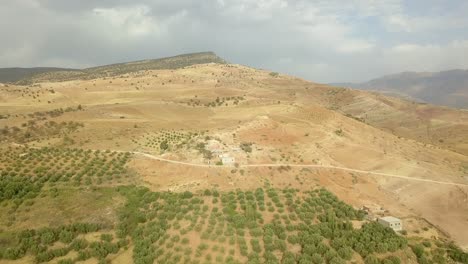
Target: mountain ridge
point(25, 76)
point(447, 88)
point(14, 74)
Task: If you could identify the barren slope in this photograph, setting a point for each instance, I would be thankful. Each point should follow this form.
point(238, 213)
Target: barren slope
point(286, 120)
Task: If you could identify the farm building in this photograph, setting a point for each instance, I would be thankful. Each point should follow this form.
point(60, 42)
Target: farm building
point(392, 222)
point(214, 146)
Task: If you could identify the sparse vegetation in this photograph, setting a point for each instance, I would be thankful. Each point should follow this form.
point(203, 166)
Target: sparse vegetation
point(360, 119)
point(42, 115)
point(339, 132)
point(246, 146)
point(218, 102)
point(166, 140)
point(31, 131)
point(175, 62)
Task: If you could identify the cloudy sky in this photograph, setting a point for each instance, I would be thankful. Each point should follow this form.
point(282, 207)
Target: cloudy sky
point(320, 40)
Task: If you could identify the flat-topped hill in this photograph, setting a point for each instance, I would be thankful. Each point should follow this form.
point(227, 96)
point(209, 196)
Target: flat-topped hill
point(28, 76)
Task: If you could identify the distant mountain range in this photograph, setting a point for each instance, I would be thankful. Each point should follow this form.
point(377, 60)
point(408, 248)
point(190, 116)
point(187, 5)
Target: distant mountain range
point(8, 75)
point(30, 75)
point(448, 88)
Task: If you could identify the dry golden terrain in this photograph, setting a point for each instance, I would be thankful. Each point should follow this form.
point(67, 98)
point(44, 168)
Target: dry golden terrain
point(396, 157)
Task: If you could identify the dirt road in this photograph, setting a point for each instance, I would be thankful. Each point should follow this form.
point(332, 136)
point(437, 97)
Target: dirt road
point(304, 166)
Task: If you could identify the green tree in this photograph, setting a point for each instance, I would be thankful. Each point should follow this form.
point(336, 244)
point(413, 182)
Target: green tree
point(288, 258)
point(393, 260)
point(345, 253)
point(250, 212)
point(418, 250)
point(317, 259)
point(66, 236)
point(371, 259)
point(164, 145)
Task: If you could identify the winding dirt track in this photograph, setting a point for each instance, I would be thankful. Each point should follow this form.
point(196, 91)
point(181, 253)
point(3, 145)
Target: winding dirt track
point(304, 166)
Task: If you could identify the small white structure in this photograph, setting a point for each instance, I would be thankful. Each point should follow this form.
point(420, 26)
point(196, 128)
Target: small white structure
point(392, 222)
point(214, 146)
point(227, 160)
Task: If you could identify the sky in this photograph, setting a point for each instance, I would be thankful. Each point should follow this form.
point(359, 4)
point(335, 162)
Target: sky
point(318, 40)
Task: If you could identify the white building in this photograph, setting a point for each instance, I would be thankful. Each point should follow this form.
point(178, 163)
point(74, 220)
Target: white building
point(392, 222)
point(214, 146)
point(227, 160)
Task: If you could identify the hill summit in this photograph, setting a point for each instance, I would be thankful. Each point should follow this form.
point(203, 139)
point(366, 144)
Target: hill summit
point(25, 76)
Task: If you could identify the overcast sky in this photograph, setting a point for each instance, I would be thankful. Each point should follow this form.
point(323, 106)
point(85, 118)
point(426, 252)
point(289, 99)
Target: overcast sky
point(319, 40)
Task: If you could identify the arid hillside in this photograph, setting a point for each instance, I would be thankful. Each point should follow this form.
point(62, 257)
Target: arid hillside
point(438, 126)
point(229, 127)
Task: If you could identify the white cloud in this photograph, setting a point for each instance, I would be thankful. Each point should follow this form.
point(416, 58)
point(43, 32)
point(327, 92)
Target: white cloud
point(405, 48)
point(136, 21)
point(252, 10)
point(27, 3)
point(355, 46)
point(20, 54)
point(429, 57)
point(322, 40)
point(328, 31)
point(406, 23)
point(398, 23)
